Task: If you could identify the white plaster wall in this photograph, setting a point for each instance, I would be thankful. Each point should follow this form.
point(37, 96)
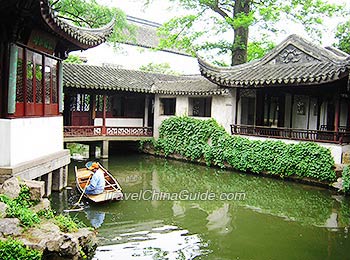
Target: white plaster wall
point(5, 142)
point(158, 119)
point(336, 149)
point(222, 110)
point(181, 110)
point(27, 139)
point(120, 122)
point(181, 106)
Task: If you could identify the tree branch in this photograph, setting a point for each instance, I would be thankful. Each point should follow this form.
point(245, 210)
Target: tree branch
point(55, 2)
point(184, 27)
point(69, 19)
point(215, 7)
point(77, 19)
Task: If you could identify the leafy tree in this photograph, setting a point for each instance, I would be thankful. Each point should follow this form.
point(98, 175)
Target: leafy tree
point(216, 20)
point(74, 59)
point(88, 13)
point(163, 68)
point(343, 37)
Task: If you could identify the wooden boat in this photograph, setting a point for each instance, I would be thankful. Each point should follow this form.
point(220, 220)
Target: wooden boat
point(112, 190)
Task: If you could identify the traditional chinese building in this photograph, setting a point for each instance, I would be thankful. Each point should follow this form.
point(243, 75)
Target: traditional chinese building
point(33, 43)
point(299, 91)
point(104, 103)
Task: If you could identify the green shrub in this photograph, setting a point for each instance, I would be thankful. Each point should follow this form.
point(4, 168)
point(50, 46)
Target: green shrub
point(46, 213)
point(23, 198)
point(27, 217)
point(346, 178)
point(206, 140)
point(68, 224)
point(11, 249)
point(20, 208)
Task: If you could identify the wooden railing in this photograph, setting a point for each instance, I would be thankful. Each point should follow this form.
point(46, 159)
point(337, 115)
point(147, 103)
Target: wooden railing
point(129, 131)
point(294, 134)
point(87, 131)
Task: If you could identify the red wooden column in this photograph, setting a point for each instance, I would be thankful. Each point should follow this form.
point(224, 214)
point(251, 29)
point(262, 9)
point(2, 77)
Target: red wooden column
point(43, 82)
point(336, 118)
point(25, 80)
point(104, 113)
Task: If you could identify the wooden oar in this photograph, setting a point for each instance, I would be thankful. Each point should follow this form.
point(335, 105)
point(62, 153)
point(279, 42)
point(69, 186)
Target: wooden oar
point(112, 186)
point(104, 169)
point(81, 196)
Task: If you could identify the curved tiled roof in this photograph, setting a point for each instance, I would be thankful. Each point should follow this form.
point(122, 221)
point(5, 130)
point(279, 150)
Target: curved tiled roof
point(83, 38)
point(146, 36)
point(294, 62)
point(109, 78)
point(190, 86)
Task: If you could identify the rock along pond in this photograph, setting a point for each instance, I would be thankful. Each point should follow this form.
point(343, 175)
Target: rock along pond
point(176, 210)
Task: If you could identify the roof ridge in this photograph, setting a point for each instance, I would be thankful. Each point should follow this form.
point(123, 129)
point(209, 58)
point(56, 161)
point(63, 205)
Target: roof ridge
point(307, 46)
point(123, 69)
point(142, 21)
point(82, 37)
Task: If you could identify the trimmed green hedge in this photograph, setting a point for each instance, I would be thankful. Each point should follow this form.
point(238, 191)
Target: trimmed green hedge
point(346, 178)
point(206, 140)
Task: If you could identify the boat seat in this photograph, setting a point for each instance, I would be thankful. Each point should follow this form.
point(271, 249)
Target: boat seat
point(111, 185)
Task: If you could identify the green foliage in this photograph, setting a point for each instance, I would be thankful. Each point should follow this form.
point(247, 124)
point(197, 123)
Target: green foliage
point(20, 208)
point(343, 37)
point(163, 68)
point(27, 217)
point(76, 148)
point(68, 224)
point(11, 249)
point(223, 22)
point(258, 49)
point(206, 140)
point(73, 59)
point(24, 199)
point(346, 178)
point(90, 14)
point(46, 213)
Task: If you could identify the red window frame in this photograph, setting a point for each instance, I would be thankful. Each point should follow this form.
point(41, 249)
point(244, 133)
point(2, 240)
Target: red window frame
point(33, 81)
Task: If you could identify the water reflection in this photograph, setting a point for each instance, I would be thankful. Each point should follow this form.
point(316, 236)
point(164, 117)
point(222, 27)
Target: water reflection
point(274, 215)
point(164, 242)
point(96, 218)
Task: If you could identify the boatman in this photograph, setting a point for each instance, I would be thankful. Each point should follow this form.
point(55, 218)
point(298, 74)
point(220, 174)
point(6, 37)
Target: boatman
point(97, 181)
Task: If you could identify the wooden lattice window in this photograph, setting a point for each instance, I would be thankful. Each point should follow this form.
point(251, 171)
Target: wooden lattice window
point(19, 80)
point(36, 84)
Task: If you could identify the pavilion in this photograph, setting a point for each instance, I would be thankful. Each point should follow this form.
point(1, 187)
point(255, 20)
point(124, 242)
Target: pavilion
point(33, 43)
point(299, 91)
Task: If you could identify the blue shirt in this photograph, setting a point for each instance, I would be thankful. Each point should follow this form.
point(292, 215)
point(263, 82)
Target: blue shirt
point(97, 183)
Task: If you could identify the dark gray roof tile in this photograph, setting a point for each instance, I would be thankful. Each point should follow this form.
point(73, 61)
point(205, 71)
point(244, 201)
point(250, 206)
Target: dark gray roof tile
point(111, 78)
point(294, 62)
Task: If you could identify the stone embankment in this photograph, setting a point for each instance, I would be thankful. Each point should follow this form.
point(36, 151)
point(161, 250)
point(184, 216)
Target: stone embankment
point(45, 236)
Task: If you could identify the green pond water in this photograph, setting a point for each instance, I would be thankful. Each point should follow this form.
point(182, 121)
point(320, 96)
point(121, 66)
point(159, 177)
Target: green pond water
point(206, 213)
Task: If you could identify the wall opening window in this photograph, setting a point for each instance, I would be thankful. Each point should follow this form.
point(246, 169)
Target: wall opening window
point(131, 106)
point(200, 107)
point(36, 84)
point(167, 106)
